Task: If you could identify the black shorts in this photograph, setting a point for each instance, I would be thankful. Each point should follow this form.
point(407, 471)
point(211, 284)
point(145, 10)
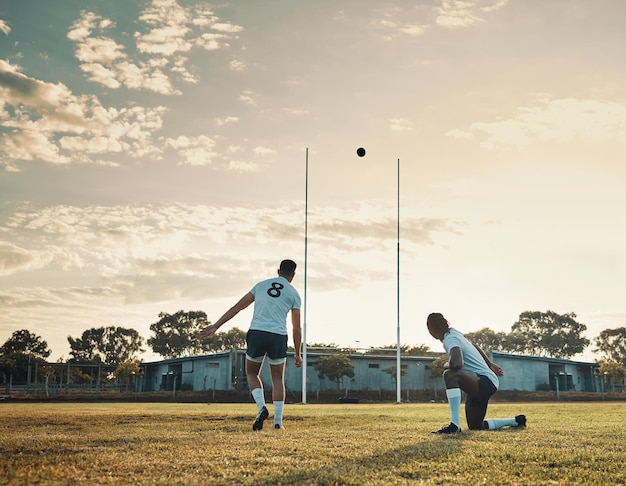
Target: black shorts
point(261, 343)
point(486, 389)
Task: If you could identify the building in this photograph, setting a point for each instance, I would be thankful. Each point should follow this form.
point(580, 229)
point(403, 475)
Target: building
point(226, 371)
point(530, 373)
point(206, 372)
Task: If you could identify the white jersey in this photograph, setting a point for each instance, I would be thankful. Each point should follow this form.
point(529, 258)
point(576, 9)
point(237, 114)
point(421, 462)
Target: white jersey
point(472, 359)
point(273, 299)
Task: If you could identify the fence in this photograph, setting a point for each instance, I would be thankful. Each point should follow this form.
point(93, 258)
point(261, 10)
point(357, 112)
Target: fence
point(54, 379)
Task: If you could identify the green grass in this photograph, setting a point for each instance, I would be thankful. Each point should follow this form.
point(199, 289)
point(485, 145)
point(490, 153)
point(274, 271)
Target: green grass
point(174, 443)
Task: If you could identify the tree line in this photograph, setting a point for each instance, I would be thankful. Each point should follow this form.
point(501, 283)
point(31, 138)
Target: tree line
point(535, 333)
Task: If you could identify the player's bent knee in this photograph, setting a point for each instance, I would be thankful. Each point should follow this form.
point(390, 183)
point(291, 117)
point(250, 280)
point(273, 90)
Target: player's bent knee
point(449, 377)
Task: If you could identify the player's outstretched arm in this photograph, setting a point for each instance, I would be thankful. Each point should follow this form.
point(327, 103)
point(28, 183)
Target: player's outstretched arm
point(244, 302)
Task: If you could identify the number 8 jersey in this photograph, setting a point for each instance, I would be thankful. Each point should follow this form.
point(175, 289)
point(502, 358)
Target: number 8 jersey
point(273, 299)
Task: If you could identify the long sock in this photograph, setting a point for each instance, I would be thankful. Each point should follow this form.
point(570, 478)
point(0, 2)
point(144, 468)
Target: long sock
point(454, 400)
point(259, 398)
point(499, 423)
point(278, 412)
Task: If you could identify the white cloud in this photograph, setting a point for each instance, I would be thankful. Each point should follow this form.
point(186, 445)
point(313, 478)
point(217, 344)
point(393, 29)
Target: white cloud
point(99, 50)
point(393, 27)
point(248, 98)
point(236, 65)
point(226, 120)
point(13, 258)
point(195, 151)
point(4, 27)
point(115, 240)
point(495, 6)
point(105, 60)
point(168, 22)
point(464, 13)
point(171, 34)
point(554, 120)
point(263, 151)
point(102, 75)
point(16, 88)
point(227, 27)
point(31, 145)
point(296, 111)
point(459, 134)
point(241, 166)
point(50, 123)
point(400, 125)
point(211, 41)
point(413, 30)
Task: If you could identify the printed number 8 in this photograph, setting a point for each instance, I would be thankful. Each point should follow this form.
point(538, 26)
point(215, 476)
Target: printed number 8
point(275, 290)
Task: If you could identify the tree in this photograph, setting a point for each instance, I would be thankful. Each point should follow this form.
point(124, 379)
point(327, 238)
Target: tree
point(436, 370)
point(334, 367)
point(388, 350)
point(79, 376)
point(175, 335)
point(393, 372)
point(126, 372)
point(47, 372)
point(16, 365)
point(615, 372)
point(323, 347)
point(611, 344)
point(486, 339)
point(419, 350)
point(438, 366)
point(20, 350)
point(28, 343)
point(551, 334)
point(330, 346)
point(405, 350)
point(8, 367)
point(109, 345)
point(516, 342)
point(234, 338)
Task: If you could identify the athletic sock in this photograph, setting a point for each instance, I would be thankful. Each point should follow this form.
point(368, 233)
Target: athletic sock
point(454, 400)
point(499, 423)
point(259, 399)
point(278, 412)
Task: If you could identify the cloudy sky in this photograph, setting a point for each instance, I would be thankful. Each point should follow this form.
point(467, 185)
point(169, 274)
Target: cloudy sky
point(153, 159)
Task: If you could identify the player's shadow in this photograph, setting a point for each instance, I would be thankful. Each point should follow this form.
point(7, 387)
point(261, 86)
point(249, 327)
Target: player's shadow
point(427, 451)
point(409, 463)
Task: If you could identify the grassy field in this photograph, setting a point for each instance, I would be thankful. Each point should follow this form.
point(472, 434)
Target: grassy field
point(174, 443)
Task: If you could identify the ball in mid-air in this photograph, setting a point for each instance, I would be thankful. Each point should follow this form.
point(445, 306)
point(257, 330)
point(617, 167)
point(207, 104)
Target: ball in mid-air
point(360, 152)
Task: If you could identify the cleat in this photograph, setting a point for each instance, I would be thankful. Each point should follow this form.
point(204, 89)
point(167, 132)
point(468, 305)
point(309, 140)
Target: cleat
point(521, 420)
point(448, 429)
point(279, 427)
point(260, 418)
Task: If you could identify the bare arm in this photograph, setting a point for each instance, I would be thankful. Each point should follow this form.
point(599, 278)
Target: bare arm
point(244, 302)
point(456, 359)
point(297, 335)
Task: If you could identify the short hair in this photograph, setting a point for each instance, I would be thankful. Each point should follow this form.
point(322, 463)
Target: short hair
point(436, 321)
point(287, 267)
